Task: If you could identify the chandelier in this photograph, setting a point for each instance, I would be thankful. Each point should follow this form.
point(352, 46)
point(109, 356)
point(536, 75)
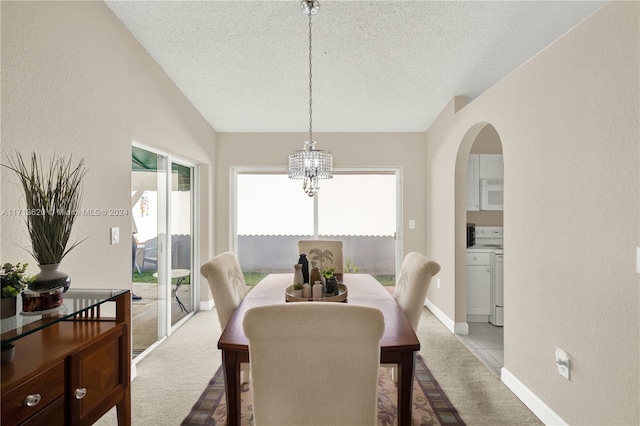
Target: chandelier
point(310, 164)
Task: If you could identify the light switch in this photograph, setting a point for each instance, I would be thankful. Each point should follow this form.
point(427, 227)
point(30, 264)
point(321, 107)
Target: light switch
point(564, 363)
point(412, 224)
point(115, 235)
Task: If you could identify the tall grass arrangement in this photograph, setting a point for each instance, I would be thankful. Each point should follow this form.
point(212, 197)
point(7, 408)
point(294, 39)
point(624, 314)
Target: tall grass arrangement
point(53, 200)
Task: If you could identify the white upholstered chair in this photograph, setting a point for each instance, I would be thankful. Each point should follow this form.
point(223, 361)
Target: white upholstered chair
point(314, 363)
point(326, 253)
point(412, 285)
point(228, 288)
point(411, 289)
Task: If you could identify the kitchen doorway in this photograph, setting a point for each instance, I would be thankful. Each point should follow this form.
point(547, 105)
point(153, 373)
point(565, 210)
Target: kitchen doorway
point(479, 286)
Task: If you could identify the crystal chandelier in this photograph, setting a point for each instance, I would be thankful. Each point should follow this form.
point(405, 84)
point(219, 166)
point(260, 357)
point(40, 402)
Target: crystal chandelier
point(310, 164)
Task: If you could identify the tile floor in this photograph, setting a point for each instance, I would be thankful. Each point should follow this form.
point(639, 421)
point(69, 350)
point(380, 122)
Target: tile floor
point(486, 341)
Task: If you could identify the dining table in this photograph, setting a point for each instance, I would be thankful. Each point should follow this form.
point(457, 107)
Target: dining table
point(398, 344)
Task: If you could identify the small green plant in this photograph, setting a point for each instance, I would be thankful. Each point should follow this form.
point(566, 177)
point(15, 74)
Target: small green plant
point(297, 286)
point(350, 267)
point(328, 272)
point(13, 279)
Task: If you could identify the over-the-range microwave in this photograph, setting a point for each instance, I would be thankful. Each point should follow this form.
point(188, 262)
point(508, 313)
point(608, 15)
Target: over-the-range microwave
point(491, 194)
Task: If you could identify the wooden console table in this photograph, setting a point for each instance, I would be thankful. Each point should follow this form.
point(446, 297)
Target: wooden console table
point(70, 366)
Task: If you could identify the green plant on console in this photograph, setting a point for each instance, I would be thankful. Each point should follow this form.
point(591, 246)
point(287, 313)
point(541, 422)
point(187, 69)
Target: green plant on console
point(297, 286)
point(13, 279)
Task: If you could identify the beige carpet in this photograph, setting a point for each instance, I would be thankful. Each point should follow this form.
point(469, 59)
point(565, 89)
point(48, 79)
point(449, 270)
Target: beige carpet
point(172, 378)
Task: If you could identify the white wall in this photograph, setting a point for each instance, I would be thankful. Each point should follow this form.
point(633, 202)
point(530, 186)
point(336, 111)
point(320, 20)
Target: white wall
point(75, 82)
point(568, 122)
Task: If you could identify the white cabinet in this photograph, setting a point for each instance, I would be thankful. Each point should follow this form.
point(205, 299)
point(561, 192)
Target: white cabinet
point(481, 166)
point(473, 178)
point(497, 304)
point(478, 286)
point(491, 166)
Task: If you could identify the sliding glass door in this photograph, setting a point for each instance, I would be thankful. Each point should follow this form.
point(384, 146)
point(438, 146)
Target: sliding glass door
point(182, 302)
point(361, 210)
point(358, 207)
point(162, 245)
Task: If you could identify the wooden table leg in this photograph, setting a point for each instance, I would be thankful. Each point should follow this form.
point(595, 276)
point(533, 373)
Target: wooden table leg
point(406, 369)
point(231, 386)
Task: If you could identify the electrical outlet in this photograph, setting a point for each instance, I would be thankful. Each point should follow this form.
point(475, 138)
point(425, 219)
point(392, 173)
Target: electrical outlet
point(564, 363)
point(115, 235)
point(412, 224)
point(438, 282)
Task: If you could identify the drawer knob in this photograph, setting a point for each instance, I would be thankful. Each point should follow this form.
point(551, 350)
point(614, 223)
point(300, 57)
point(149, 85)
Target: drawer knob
point(32, 400)
point(80, 393)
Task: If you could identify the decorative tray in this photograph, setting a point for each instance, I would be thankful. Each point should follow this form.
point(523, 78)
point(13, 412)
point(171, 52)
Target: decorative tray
point(341, 297)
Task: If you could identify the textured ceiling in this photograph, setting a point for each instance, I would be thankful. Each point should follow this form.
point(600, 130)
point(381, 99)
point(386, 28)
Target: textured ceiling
point(378, 66)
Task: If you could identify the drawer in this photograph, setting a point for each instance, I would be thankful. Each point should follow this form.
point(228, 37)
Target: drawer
point(478, 258)
point(51, 415)
point(46, 387)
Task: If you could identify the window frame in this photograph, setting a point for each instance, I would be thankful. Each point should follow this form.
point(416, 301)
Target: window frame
point(233, 195)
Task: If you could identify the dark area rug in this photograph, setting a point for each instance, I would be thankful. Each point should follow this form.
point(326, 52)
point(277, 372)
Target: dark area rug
point(430, 404)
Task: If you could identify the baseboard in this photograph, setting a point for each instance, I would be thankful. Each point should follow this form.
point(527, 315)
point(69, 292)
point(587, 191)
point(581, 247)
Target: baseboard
point(461, 328)
point(444, 319)
point(535, 404)
point(478, 318)
point(207, 305)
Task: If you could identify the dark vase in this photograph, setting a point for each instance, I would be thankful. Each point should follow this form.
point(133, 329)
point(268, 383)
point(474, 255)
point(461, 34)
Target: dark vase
point(305, 267)
point(8, 307)
point(332, 287)
point(50, 278)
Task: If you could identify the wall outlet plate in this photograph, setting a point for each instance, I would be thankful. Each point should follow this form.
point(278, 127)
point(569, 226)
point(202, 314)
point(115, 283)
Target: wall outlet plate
point(638, 260)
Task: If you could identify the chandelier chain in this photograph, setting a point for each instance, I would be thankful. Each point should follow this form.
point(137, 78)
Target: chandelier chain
point(310, 86)
point(310, 164)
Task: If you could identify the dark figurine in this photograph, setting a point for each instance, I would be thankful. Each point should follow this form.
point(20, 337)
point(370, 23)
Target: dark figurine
point(305, 267)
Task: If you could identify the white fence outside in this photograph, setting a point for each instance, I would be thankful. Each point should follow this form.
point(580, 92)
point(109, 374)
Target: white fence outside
point(373, 255)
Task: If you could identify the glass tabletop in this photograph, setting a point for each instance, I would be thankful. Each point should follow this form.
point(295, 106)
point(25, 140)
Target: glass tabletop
point(75, 302)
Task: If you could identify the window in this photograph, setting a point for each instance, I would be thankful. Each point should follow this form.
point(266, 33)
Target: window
point(358, 207)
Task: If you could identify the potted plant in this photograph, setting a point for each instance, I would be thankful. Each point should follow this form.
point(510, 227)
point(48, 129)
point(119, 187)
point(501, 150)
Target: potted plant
point(328, 272)
point(13, 281)
point(53, 200)
point(297, 290)
point(331, 283)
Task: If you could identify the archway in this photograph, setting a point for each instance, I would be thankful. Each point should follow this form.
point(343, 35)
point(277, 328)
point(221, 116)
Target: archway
point(481, 140)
